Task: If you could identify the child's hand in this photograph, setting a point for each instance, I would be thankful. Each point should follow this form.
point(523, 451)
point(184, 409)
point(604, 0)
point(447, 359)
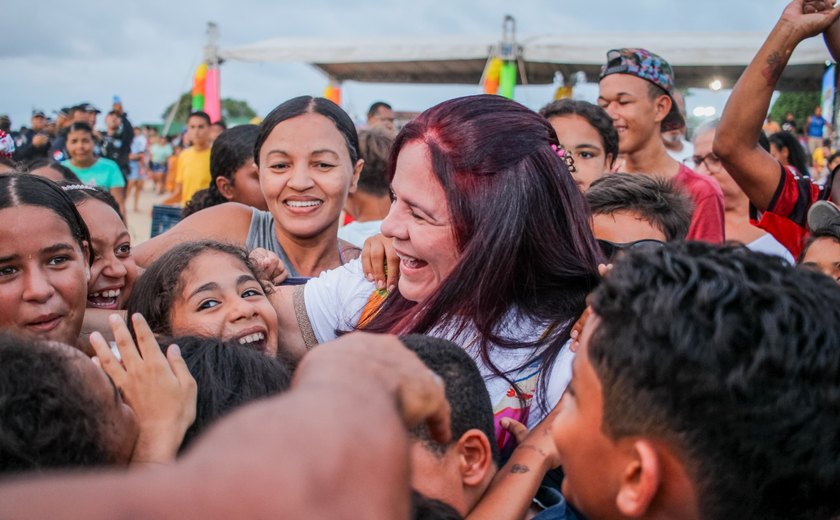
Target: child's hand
point(159, 389)
point(268, 265)
point(516, 428)
point(515, 484)
point(381, 263)
point(577, 328)
point(540, 439)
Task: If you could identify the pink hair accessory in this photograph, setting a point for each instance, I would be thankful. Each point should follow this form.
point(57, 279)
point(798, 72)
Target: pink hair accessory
point(566, 156)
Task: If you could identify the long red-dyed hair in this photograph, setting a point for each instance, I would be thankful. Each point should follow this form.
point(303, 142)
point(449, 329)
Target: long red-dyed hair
point(521, 227)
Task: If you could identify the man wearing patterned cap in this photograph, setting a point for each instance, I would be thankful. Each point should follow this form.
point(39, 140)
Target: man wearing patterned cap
point(636, 89)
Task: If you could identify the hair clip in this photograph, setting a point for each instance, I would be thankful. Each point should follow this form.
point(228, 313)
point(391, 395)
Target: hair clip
point(71, 187)
point(566, 156)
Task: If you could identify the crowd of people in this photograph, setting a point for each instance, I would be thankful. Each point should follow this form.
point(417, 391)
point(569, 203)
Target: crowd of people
point(490, 312)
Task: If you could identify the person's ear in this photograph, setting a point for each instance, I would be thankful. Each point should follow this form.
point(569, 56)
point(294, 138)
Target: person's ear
point(663, 105)
point(225, 187)
point(357, 171)
point(640, 481)
point(475, 458)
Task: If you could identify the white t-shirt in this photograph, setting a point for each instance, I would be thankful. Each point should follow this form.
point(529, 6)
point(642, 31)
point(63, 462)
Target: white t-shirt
point(357, 232)
point(335, 300)
point(138, 144)
point(769, 245)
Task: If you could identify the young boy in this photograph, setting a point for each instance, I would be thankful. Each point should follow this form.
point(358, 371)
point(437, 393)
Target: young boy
point(193, 168)
point(628, 208)
point(637, 91)
point(706, 386)
point(457, 473)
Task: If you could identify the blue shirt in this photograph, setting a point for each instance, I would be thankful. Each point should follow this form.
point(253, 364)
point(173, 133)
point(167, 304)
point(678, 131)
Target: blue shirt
point(815, 126)
point(556, 507)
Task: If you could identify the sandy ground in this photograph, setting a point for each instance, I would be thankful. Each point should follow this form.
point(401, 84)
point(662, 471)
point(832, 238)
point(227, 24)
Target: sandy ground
point(140, 221)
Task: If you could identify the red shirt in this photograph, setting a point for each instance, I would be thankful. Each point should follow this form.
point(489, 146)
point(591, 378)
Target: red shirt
point(707, 223)
point(786, 217)
point(788, 233)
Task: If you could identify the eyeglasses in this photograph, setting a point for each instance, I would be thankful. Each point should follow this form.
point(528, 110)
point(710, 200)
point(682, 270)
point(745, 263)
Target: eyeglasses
point(611, 249)
point(710, 160)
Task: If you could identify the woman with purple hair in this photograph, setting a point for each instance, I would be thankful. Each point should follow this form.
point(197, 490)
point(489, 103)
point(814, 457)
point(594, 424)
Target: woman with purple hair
point(495, 248)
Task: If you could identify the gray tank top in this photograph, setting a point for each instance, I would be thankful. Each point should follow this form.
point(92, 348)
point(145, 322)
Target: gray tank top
point(261, 234)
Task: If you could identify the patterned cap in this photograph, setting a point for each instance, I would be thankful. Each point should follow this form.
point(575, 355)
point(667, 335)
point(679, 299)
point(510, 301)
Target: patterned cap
point(651, 67)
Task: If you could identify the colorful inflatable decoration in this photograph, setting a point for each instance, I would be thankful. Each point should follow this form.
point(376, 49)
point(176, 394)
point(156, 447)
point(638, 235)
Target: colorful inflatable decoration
point(508, 79)
point(500, 71)
point(212, 99)
point(333, 93)
point(492, 75)
point(206, 92)
point(199, 87)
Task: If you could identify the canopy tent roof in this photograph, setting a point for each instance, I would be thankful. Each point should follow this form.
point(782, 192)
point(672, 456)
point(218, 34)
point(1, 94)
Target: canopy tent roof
point(697, 58)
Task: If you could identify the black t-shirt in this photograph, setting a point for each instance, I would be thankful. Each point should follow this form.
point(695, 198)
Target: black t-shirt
point(117, 146)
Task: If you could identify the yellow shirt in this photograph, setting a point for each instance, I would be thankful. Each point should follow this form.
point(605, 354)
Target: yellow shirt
point(193, 172)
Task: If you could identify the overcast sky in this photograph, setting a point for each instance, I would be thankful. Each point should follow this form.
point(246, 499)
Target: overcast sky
point(59, 53)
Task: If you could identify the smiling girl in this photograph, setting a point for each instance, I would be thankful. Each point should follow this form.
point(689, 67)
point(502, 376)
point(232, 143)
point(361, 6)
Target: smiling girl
point(113, 271)
point(308, 161)
point(586, 131)
point(93, 171)
point(206, 289)
point(44, 260)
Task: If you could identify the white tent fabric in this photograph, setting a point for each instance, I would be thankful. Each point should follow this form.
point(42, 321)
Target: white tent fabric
point(697, 58)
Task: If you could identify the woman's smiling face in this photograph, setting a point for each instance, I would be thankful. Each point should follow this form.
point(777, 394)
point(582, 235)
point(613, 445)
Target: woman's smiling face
point(306, 173)
point(420, 225)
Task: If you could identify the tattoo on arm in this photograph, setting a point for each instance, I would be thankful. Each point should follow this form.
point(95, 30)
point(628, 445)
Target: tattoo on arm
point(775, 66)
point(519, 468)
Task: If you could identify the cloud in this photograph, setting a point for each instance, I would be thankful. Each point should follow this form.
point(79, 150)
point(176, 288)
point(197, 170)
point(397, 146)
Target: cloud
point(144, 51)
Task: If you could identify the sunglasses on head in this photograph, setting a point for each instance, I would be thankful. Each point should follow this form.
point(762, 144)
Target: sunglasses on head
point(611, 249)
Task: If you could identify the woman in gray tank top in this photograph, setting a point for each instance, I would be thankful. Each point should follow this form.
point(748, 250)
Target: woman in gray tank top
point(308, 159)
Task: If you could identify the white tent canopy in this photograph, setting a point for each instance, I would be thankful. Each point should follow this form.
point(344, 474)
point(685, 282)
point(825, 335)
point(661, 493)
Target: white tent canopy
point(697, 58)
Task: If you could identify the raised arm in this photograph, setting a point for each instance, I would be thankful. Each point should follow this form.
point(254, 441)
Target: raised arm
point(333, 446)
point(736, 141)
point(227, 222)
